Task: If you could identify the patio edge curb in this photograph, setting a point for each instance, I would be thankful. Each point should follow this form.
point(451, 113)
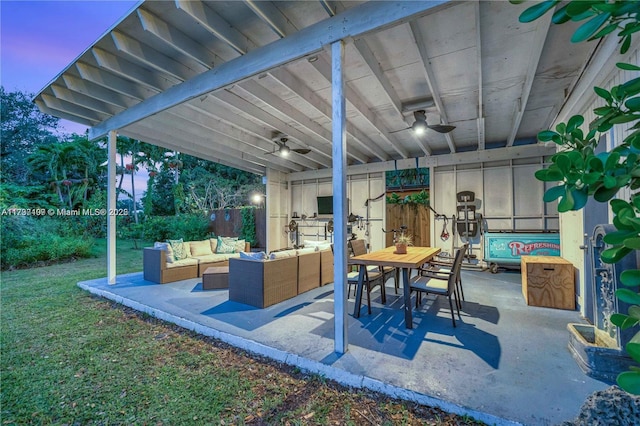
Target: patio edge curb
point(307, 365)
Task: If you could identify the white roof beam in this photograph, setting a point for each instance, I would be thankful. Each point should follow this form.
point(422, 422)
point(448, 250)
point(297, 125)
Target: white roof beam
point(329, 7)
point(60, 105)
point(480, 120)
point(96, 91)
point(252, 87)
point(431, 80)
point(150, 57)
point(226, 119)
point(141, 131)
point(373, 64)
point(175, 38)
point(192, 137)
point(270, 15)
point(353, 22)
point(88, 102)
point(293, 83)
point(61, 114)
point(239, 139)
point(358, 104)
point(131, 71)
point(535, 49)
point(237, 102)
point(113, 82)
point(215, 24)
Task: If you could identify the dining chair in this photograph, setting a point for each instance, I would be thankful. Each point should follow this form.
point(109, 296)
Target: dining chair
point(359, 247)
point(445, 266)
point(439, 283)
point(373, 276)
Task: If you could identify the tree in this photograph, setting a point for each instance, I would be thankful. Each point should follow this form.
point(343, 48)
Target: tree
point(582, 173)
point(70, 168)
point(23, 128)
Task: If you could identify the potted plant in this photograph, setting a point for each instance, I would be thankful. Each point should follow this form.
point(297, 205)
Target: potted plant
point(402, 242)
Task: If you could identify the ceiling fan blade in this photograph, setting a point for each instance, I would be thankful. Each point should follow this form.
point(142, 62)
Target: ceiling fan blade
point(301, 150)
point(398, 131)
point(441, 128)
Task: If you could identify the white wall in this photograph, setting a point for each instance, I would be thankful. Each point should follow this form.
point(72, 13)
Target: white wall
point(360, 187)
point(277, 205)
point(508, 196)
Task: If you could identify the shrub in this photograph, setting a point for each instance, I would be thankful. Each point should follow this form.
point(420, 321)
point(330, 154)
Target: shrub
point(186, 226)
point(27, 240)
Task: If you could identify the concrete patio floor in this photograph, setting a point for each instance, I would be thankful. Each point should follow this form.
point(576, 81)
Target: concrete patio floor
point(505, 363)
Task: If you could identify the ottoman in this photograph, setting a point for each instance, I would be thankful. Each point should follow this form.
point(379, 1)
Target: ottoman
point(215, 277)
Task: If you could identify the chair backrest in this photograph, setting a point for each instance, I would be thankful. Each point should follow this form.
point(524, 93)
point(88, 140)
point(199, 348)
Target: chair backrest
point(455, 268)
point(358, 247)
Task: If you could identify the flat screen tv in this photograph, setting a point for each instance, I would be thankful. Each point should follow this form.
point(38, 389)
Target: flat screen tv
point(325, 206)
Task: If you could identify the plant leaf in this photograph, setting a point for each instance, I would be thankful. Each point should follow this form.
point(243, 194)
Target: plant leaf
point(628, 67)
point(628, 296)
point(603, 194)
point(549, 175)
point(574, 122)
point(616, 238)
point(632, 243)
point(614, 255)
point(566, 203)
point(630, 277)
point(534, 12)
point(629, 381)
point(587, 29)
point(623, 321)
point(554, 193)
point(633, 103)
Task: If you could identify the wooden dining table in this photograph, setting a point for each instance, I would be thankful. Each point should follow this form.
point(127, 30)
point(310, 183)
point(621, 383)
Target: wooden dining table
point(413, 259)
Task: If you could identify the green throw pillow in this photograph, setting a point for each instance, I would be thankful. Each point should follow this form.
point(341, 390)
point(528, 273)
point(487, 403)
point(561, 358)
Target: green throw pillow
point(179, 250)
point(226, 245)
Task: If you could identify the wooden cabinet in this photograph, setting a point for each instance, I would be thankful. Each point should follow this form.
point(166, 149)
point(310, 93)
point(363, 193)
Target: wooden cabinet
point(548, 281)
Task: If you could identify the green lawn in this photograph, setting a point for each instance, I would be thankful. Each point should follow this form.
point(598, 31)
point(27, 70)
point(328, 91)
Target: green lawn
point(71, 358)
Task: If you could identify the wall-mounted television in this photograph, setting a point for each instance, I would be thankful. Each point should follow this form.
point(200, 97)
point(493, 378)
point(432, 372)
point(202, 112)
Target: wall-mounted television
point(325, 206)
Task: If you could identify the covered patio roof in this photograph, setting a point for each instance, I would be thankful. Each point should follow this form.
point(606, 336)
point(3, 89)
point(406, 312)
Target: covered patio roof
point(223, 79)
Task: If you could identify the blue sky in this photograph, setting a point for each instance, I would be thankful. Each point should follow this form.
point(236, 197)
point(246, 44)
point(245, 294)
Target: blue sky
point(38, 39)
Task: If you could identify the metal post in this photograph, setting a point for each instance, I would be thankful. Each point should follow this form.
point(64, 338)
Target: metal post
point(111, 206)
point(339, 155)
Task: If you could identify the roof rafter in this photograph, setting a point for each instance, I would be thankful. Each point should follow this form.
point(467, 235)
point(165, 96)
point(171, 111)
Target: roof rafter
point(540, 36)
point(353, 22)
point(114, 82)
point(85, 101)
point(374, 66)
point(431, 81)
point(480, 120)
point(359, 105)
point(215, 24)
point(255, 89)
point(236, 126)
point(293, 83)
point(177, 39)
point(98, 92)
point(150, 57)
point(271, 15)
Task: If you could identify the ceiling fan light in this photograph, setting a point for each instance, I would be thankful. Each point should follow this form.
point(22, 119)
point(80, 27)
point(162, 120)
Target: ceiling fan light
point(419, 127)
point(284, 150)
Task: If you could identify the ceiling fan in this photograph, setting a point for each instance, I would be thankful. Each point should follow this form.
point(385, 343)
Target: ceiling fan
point(283, 150)
point(421, 125)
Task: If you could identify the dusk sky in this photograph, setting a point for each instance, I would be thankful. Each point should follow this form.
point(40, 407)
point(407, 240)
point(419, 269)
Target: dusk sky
point(38, 39)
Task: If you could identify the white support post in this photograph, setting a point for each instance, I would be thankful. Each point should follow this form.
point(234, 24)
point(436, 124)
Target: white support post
point(339, 152)
point(111, 206)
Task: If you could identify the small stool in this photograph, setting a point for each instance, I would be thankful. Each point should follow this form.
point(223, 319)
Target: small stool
point(215, 277)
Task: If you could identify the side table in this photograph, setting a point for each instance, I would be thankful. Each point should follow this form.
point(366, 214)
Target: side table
point(215, 277)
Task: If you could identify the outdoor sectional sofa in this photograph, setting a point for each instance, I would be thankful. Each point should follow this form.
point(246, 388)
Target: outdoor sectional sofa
point(160, 266)
point(262, 283)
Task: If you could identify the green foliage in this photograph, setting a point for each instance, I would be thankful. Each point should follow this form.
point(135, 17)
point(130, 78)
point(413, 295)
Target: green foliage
point(417, 199)
point(582, 173)
point(26, 196)
point(248, 227)
point(22, 129)
point(189, 227)
point(27, 240)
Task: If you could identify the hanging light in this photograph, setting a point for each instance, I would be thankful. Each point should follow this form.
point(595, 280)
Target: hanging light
point(420, 125)
point(284, 150)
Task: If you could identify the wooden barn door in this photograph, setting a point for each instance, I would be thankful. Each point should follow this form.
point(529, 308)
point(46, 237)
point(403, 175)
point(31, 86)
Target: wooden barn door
point(416, 217)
